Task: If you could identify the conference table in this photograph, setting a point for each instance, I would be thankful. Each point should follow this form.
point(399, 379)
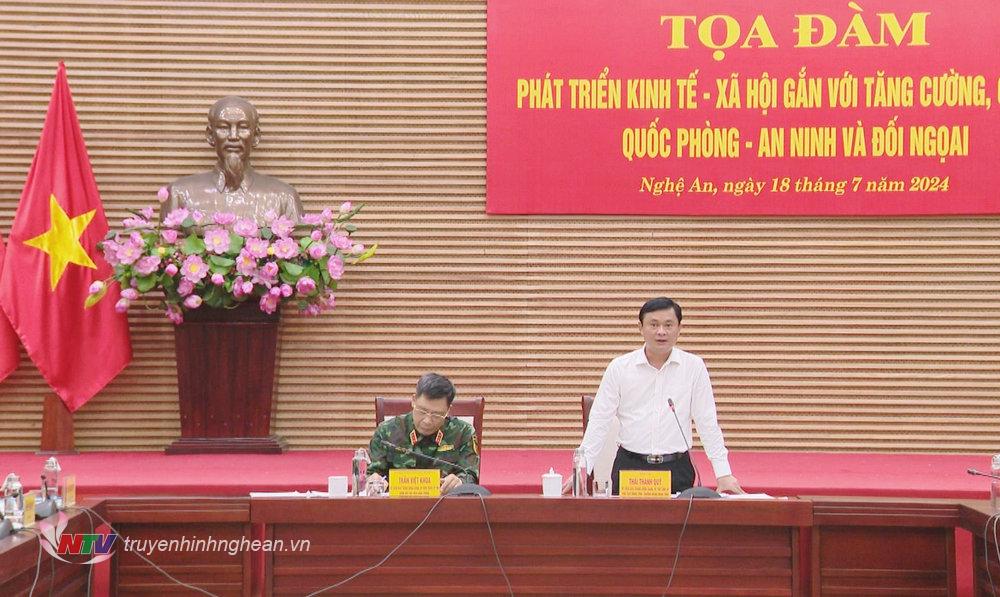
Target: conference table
point(546, 546)
point(542, 546)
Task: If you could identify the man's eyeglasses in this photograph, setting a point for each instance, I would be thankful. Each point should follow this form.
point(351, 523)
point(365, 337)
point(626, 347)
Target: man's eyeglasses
point(427, 413)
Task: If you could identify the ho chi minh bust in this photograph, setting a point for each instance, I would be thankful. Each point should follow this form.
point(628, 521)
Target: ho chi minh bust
point(233, 185)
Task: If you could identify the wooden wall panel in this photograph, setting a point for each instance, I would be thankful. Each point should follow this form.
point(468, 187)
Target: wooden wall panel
point(826, 334)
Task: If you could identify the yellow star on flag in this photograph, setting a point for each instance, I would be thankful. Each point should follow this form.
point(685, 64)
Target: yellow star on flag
point(62, 241)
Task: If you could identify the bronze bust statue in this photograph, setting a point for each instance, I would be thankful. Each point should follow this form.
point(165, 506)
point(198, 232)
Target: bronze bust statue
point(233, 185)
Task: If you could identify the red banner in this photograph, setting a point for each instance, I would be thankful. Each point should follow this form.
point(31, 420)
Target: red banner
point(8, 339)
point(797, 108)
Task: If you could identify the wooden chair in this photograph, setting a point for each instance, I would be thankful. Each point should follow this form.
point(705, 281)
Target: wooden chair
point(469, 410)
point(586, 403)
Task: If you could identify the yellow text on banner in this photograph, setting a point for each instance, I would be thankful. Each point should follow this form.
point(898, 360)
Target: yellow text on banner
point(414, 482)
point(644, 484)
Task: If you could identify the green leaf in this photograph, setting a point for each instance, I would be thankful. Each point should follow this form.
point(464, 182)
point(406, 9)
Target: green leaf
point(305, 241)
point(266, 233)
point(367, 254)
point(193, 245)
point(214, 297)
point(188, 222)
point(292, 269)
point(288, 278)
point(313, 272)
point(93, 299)
point(221, 261)
point(350, 228)
point(235, 244)
point(347, 216)
point(145, 283)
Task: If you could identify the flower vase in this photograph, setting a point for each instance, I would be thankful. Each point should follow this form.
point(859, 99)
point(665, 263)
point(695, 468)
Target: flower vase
point(225, 381)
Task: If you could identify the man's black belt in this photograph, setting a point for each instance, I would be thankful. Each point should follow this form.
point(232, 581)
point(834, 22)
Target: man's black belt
point(654, 458)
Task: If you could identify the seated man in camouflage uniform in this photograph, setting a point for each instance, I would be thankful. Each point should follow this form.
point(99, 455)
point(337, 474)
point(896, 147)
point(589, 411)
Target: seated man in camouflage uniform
point(427, 438)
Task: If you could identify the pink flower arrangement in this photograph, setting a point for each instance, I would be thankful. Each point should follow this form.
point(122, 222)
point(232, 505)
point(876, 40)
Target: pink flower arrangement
point(217, 240)
point(335, 267)
point(176, 218)
point(128, 253)
point(257, 247)
point(230, 260)
point(245, 227)
point(282, 227)
point(194, 269)
point(147, 265)
point(286, 248)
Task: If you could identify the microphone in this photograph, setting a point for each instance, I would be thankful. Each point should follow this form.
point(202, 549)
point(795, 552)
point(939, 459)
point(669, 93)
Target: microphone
point(976, 473)
point(697, 477)
point(403, 450)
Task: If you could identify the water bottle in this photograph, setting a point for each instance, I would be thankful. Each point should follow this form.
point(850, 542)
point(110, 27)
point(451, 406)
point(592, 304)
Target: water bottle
point(995, 484)
point(50, 482)
point(579, 472)
point(359, 471)
point(13, 500)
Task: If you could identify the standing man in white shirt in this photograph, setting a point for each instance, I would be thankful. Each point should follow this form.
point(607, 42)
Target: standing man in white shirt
point(638, 388)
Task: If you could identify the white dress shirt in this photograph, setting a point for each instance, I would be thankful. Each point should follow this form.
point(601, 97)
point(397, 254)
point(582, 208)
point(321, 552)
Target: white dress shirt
point(636, 392)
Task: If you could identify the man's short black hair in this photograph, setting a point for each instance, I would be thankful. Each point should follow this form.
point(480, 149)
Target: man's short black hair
point(435, 387)
point(658, 304)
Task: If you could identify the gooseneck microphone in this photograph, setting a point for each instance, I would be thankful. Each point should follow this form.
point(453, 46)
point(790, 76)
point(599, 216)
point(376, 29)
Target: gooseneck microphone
point(697, 477)
point(419, 456)
point(976, 473)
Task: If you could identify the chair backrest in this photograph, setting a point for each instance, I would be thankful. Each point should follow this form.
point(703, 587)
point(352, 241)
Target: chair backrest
point(586, 403)
point(469, 410)
point(606, 457)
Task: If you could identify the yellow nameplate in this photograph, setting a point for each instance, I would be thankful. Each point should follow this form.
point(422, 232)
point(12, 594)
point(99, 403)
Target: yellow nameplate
point(29, 509)
point(644, 484)
point(69, 491)
point(414, 482)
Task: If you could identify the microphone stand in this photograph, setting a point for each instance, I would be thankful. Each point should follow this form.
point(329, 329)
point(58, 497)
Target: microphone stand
point(697, 490)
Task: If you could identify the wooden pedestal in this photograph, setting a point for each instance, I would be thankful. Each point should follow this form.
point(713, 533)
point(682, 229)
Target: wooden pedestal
point(57, 427)
point(225, 381)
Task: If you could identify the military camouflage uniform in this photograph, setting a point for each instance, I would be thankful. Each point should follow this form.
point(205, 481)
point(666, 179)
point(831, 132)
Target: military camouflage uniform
point(455, 442)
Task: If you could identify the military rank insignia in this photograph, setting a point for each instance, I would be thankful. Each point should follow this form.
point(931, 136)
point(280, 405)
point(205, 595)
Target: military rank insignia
point(413, 437)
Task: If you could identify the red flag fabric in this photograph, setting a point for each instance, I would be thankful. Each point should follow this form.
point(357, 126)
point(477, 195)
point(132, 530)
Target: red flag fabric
point(52, 258)
point(8, 340)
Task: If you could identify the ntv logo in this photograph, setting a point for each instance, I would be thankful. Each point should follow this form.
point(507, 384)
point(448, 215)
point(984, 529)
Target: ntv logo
point(55, 542)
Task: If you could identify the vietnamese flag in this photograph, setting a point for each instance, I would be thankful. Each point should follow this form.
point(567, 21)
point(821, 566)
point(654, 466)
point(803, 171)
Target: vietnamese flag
point(8, 340)
point(52, 258)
